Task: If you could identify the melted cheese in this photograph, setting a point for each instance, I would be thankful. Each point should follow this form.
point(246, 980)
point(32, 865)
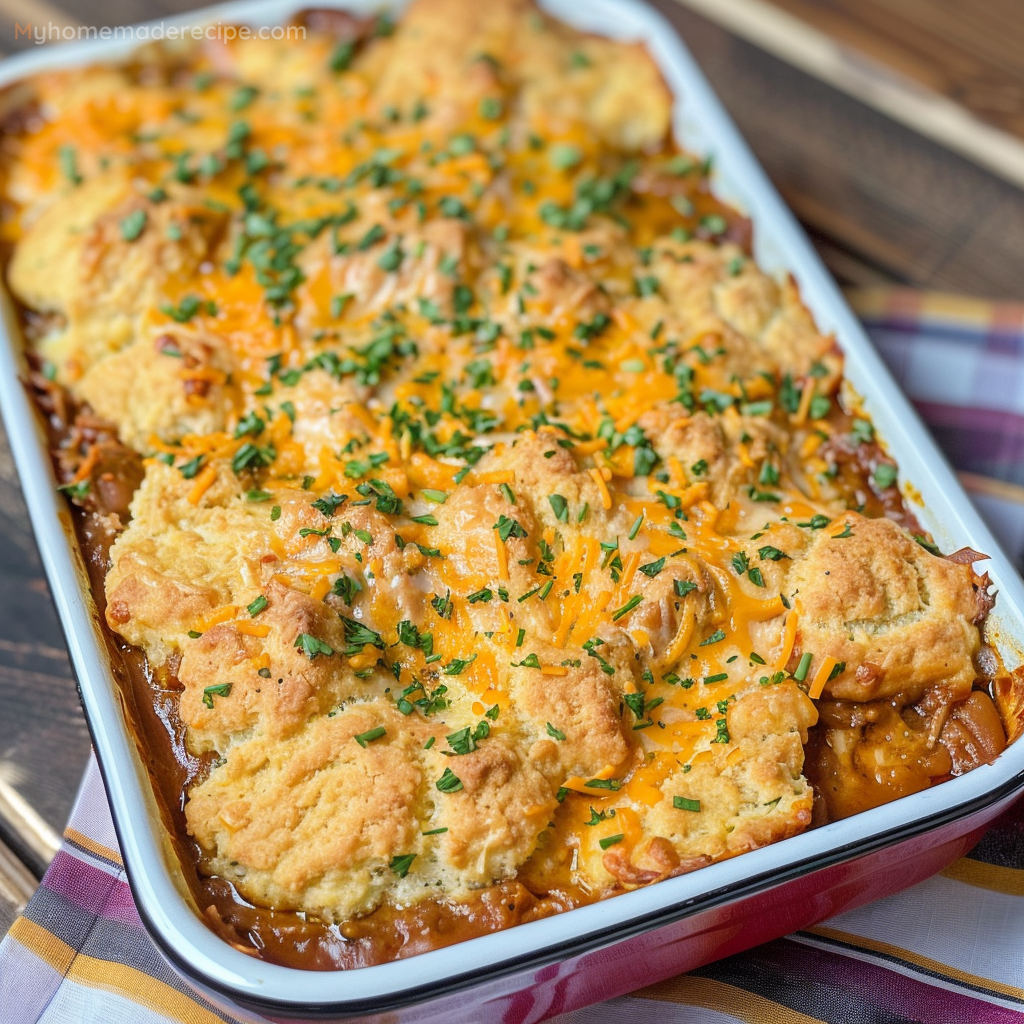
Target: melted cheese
point(457, 361)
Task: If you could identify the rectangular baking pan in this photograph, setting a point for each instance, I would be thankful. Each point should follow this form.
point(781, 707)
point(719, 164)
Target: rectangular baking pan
point(538, 969)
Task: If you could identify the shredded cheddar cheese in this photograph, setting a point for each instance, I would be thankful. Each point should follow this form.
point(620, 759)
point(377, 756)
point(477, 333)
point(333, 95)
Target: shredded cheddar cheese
point(602, 486)
point(203, 483)
point(499, 548)
point(821, 676)
point(457, 396)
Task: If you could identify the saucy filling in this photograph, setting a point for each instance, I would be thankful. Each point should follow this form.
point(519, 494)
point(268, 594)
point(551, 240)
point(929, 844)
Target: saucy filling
point(448, 474)
point(858, 755)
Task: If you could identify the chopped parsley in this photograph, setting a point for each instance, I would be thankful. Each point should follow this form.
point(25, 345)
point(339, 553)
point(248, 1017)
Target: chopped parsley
point(359, 636)
point(133, 225)
point(187, 308)
point(816, 522)
point(311, 646)
point(884, 475)
point(456, 665)
point(508, 527)
point(329, 503)
point(560, 507)
point(77, 491)
point(443, 605)
point(69, 164)
point(189, 469)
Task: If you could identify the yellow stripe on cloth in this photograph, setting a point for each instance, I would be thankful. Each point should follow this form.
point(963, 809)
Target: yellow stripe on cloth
point(880, 302)
point(87, 843)
point(925, 962)
point(1009, 881)
point(141, 987)
point(37, 940)
point(976, 483)
point(690, 990)
point(109, 976)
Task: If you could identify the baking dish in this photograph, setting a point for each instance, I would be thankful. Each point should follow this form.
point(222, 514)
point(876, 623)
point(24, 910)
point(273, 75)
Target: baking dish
point(698, 917)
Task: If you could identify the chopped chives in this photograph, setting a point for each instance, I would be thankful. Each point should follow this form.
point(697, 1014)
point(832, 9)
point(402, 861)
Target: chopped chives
point(804, 667)
point(401, 864)
point(449, 782)
point(627, 607)
point(218, 690)
point(369, 736)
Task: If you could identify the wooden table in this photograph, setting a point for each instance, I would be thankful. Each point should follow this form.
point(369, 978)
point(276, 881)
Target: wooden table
point(883, 204)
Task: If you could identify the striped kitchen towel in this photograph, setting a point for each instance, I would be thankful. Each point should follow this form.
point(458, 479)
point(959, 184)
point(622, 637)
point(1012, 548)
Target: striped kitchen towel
point(948, 951)
point(962, 363)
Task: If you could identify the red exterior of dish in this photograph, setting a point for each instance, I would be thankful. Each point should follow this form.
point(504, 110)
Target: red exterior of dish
point(704, 936)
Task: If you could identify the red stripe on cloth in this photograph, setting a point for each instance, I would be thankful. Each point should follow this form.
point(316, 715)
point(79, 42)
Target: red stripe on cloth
point(90, 889)
point(994, 421)
point(987, 441)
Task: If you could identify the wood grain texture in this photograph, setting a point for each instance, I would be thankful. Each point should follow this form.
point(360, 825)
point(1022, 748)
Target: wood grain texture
point(972, 53)
point(17, 884)
point(880, 85)
point(44, 742)
point(35, 13)
point(885, 202)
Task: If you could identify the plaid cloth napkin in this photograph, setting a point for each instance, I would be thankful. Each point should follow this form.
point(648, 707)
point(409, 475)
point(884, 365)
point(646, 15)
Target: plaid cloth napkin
point(948, 951)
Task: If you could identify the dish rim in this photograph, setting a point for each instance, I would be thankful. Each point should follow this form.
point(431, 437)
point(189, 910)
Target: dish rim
point(701, 124)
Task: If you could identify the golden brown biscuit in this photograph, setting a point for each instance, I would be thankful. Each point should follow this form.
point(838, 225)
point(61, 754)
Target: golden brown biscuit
point(900, 619)
point(495, 523)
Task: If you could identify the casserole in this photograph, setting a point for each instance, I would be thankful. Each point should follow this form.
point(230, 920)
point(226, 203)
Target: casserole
point(752, 204)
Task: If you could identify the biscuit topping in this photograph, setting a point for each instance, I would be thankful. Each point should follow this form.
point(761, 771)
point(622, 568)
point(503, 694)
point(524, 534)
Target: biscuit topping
point(501, 518)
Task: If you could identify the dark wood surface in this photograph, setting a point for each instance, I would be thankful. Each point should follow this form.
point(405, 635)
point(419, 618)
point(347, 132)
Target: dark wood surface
point(43, 739)
point(971, 52)
point(946, 69)
point(882, 204)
